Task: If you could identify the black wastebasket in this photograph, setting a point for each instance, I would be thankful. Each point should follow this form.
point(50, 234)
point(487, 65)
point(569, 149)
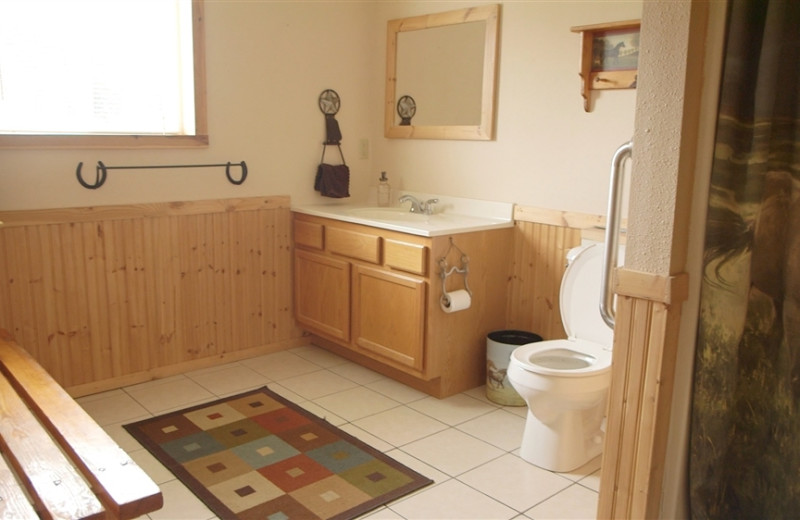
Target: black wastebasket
point(499, 346)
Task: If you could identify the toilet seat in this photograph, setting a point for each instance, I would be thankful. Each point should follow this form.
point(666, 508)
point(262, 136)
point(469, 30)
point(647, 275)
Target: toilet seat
point(559, 358)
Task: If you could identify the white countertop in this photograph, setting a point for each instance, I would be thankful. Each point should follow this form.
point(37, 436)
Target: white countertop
point(451, 215)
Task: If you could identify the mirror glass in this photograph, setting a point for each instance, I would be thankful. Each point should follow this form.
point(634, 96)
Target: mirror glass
point(440, 75)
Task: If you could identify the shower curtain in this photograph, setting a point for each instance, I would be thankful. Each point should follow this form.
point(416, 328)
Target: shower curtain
point(745, 427)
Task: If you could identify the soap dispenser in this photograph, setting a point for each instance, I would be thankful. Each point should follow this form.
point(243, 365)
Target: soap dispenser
point(384, 191)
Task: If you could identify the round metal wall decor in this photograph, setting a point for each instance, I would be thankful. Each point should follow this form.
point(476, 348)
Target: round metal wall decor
point(406, 108)
point(329, 102)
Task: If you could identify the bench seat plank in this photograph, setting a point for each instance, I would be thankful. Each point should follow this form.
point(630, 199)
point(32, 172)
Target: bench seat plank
point(13, 499)
point(123, 487)
point(53, 482)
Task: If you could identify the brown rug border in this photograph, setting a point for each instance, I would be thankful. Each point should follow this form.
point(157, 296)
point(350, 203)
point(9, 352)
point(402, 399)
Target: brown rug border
point(419, 481)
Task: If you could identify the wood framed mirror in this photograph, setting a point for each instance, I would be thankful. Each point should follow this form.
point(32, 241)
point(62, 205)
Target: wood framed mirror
point(446, 64)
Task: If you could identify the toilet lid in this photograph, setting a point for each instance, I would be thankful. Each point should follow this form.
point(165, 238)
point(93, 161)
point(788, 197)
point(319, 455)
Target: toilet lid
point(580, 297)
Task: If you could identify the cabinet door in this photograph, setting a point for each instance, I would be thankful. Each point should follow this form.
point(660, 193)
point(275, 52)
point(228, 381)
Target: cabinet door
point(389, 315)
point(322, 294)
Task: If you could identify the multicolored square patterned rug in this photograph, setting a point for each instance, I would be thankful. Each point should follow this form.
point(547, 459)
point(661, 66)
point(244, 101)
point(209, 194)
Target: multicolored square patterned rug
point(258, 456)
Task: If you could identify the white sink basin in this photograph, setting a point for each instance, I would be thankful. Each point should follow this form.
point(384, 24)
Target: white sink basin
point(390, 214)
point(451, 215)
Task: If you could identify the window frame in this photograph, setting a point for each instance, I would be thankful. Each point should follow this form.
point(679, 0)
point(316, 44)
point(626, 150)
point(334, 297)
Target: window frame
point(199, 139)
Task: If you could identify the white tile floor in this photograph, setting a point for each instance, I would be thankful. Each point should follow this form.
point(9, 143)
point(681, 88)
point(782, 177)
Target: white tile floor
point(468, 445)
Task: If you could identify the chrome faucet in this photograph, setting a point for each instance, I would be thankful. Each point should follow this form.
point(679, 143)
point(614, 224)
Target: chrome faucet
point(418, 206)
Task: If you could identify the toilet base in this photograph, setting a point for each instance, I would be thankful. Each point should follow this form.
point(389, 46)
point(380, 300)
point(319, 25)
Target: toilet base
point(568, 442)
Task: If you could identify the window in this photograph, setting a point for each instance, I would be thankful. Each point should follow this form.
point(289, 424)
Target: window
point(101, 73)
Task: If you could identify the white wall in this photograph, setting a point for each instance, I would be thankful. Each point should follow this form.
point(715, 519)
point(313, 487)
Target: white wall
point(267, 61)
point(548, 151)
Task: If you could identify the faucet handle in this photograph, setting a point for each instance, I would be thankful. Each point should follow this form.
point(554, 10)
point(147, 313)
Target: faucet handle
point(428, 206)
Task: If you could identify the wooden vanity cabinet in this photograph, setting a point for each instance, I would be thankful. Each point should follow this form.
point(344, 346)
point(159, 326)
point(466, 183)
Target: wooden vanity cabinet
point(372, 295)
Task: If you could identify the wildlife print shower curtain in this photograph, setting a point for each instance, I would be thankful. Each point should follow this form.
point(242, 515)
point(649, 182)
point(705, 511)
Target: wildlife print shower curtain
point(745, 430)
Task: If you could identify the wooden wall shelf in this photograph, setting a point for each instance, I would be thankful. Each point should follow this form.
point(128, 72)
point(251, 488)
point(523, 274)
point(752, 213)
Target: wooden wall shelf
point(609, 57)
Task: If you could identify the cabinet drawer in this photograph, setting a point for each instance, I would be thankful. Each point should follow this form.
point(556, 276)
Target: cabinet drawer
point(353, 244)
point(308, 234)
point(405, 256)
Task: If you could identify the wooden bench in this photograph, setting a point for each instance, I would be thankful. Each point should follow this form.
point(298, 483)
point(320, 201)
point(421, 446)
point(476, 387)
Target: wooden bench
point(57, 461)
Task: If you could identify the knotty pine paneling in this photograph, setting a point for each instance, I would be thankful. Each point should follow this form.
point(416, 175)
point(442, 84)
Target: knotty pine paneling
point(542, 239)
point(122, 293)
point(112, 295)
point(540, 252)
point(645, 347)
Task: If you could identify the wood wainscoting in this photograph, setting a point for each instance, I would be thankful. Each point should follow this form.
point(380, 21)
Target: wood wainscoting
point(109, 296)
point(541, 242)
point(645, 347)
point(113, 295)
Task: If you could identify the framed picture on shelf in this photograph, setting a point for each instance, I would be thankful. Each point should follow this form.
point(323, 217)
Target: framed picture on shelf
point(615, 50)
point(609, 57)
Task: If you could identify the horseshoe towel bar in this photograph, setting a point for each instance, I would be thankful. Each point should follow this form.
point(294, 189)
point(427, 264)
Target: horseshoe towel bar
point(102, 171)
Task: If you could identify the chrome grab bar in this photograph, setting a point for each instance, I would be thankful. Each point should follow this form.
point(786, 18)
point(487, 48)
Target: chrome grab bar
point(612, 232)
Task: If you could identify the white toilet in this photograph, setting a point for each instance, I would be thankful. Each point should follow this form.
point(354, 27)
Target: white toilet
point(565, 382)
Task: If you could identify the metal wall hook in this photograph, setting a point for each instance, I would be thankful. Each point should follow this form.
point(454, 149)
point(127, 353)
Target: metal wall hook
point(100, 178)
point(228, 173)
point(102, 171)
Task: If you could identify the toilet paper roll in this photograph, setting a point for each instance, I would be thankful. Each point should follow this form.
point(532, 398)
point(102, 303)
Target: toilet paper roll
point(456, 301)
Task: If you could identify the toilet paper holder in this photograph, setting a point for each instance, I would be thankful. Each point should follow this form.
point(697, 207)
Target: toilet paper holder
point(444, 272)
